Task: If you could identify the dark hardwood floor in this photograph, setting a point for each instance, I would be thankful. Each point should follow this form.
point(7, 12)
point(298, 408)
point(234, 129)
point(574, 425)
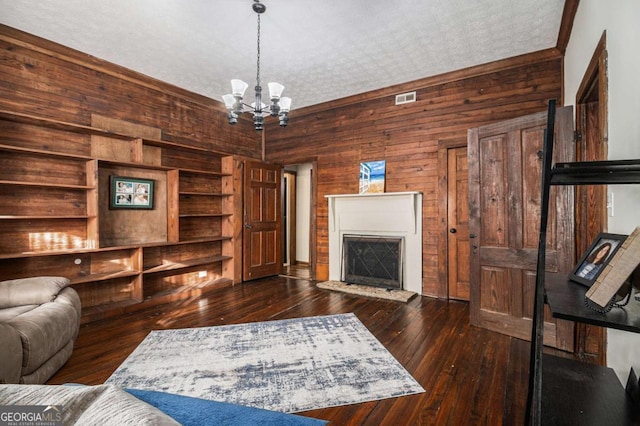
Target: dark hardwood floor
point(471, 375)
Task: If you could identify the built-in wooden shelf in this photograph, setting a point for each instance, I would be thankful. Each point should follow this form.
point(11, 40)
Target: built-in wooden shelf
point(205, 215)
point(44, 153)
point(113, 248)
point(202, 172)
point(93, 131)
point(46, 185)
point(209, 194)
point(69, 166)
point(103, 277)
point(172, 266)
point(178, 293)
point(38, 217)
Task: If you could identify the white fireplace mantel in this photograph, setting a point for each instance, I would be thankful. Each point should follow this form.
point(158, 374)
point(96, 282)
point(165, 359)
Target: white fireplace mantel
point(397, 214)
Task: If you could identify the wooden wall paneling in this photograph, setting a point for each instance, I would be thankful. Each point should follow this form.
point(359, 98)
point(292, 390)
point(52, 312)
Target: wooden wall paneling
point(33, 235)
point(231, 186)
point(39, 169)
point(192, 228)
point(43, 139)
point(51, 80)
point(93, 230)
point(69, 123)
point(36, 201)
point(173, 206)
point(132, 226)
point(342, 133)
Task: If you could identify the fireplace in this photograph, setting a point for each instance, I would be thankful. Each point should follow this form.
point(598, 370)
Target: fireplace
point(372, 260)
point(389, 215)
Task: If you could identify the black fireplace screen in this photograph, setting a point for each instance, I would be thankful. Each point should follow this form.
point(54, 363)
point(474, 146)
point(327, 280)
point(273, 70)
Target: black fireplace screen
point(372, 260)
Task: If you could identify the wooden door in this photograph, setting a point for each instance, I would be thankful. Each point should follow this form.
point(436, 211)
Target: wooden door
point(458, 224)
point(262, 227)
point(505, 166)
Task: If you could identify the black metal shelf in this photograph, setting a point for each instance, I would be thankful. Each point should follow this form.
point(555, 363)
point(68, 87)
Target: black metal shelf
point(616, 172)
point(578, 393)
point(564, 391)
point(566, 301)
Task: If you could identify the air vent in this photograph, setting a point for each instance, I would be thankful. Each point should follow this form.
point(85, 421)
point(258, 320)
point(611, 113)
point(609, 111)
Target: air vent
point(405, 98)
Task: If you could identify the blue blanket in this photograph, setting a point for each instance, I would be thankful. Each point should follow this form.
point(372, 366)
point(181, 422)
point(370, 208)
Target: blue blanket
point(196, 411)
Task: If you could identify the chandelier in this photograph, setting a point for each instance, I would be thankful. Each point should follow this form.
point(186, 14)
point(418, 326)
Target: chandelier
point(279, 107)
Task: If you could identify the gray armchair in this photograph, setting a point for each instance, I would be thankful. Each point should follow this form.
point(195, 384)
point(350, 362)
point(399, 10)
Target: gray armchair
point(39, 323)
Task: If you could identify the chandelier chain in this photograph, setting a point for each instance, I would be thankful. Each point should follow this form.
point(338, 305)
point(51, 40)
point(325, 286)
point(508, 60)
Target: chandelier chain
point(258, 61)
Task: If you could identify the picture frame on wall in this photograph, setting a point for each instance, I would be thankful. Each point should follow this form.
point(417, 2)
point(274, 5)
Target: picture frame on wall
point(131, 193)
point(599, 254)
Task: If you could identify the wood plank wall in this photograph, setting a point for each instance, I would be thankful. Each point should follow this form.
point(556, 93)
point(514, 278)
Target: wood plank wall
point(339, 135)
point(45, 79)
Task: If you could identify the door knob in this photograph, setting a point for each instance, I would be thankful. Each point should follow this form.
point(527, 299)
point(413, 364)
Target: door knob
point(248, 226)
point(453, 230)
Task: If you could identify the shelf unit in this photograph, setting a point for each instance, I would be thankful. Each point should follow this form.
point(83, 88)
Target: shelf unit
point(566, 391)
point(55, 218)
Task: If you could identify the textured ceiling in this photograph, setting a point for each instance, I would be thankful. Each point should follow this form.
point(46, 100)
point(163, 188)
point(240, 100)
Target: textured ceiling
point(320, 50)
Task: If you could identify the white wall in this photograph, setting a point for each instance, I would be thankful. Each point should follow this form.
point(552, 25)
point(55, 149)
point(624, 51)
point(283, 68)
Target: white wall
point(621, 20)
point(303, 211)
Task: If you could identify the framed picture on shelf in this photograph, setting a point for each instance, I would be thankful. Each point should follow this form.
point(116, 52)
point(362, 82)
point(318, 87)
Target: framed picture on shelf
point(131, 193)
point(596, 258)
point(372, 177)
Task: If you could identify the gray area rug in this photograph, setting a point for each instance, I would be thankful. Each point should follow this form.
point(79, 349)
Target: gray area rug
point(368, 291)
point(290, 365)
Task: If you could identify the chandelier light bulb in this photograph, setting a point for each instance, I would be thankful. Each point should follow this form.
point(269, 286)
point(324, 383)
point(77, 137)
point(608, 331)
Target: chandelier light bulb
point(229, 101)
point(285, 104)
point(275, 90)
point(238, 87)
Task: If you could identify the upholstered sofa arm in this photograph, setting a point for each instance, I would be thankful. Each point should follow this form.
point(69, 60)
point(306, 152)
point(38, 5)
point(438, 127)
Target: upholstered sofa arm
point(11, 348)
point(30, 291)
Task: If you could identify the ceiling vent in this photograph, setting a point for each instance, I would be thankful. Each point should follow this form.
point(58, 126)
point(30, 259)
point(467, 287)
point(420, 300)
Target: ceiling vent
point(405, 98)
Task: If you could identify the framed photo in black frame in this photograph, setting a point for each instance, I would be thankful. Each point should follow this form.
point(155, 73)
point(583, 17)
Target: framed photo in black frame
point(596, 258)
point(131, 193)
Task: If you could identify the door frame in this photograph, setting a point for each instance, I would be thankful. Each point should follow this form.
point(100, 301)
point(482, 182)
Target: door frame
point(591, 341)
point(442, 199)
point(289, 194)
point(312, 211)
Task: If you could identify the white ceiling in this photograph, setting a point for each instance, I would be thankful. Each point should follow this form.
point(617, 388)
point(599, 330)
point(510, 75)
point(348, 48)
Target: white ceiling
point(320, 50)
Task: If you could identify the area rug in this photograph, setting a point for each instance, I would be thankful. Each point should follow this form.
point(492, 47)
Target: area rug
point(287, 365)
point(368, 291)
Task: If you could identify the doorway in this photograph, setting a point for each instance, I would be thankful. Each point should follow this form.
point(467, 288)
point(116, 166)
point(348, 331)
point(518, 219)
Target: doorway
point(298, 220)
point(454, 241)
point(591, 201)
